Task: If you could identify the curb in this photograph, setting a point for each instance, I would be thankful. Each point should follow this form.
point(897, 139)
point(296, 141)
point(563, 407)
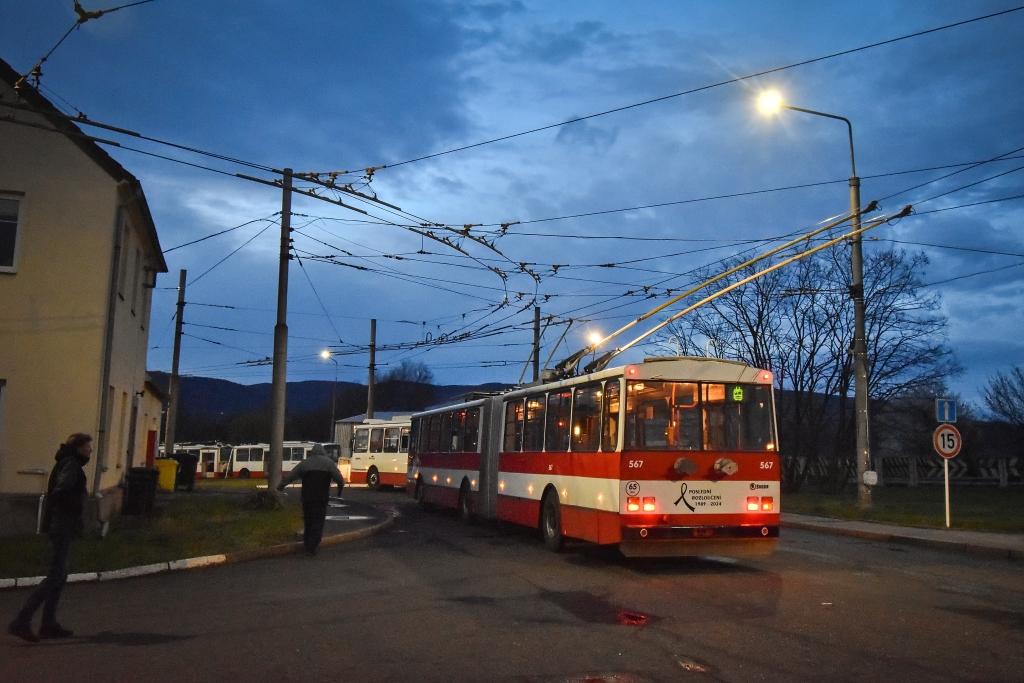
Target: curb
point(936, 544)
point(205, 561)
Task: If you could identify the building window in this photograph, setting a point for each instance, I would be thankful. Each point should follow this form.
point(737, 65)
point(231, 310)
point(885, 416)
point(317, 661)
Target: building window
point(8, 231)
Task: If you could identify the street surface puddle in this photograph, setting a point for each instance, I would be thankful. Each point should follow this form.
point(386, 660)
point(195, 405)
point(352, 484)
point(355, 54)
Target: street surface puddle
point(345, 518)
point(596, 610)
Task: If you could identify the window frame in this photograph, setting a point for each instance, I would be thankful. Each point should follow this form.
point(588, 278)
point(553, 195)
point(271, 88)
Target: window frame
point(19, 225)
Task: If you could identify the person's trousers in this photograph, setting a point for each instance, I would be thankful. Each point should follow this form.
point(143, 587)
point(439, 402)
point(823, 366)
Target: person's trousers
point(48, 592)
point(314, 510)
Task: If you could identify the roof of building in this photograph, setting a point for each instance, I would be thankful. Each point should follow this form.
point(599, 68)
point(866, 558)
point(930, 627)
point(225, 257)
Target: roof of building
point(63, 123)
point(383, 415)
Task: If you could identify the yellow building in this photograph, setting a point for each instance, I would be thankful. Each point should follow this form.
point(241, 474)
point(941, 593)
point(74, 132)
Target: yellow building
point(79, 255)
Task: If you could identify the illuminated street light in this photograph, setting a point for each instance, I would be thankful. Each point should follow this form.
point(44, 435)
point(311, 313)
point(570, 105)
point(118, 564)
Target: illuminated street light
point(771, 102)
point(594, 338)
point(327, 355)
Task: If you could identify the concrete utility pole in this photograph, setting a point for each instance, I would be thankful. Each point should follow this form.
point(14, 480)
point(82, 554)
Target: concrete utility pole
point(373, 369)
point(278, 388)
point(536, 343)
point(172, 405)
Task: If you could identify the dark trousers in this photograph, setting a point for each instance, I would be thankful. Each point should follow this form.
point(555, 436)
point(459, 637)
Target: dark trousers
point(316, 486)
point(48, 592)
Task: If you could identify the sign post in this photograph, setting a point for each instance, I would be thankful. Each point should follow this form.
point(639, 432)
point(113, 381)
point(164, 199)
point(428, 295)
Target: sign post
point(946, 441)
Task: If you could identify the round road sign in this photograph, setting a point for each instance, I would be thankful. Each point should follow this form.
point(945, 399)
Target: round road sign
point(946, 440)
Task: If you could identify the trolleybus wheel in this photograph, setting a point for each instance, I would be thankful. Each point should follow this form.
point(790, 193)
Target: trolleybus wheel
point(419, 495)
point(243, 473)
point(373, 478)
point(465, 512)
point(551, 523)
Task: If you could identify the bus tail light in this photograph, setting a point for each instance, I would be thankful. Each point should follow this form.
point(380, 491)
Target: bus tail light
point(753, 504)
point(633, 504)
point(767, 503)
point(649, 505)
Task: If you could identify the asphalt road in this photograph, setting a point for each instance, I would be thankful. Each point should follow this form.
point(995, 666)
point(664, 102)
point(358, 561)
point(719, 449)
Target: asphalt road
point(432, 599)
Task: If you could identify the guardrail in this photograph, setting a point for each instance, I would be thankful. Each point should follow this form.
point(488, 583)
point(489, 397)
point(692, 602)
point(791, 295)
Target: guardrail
point(911, 471)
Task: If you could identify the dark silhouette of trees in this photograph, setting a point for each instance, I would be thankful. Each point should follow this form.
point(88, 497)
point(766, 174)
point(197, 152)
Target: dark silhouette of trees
point(798, 323)
point(407, 386)
point(1004, 396)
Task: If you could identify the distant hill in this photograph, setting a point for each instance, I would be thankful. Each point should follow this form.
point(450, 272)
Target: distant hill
point(210, 398)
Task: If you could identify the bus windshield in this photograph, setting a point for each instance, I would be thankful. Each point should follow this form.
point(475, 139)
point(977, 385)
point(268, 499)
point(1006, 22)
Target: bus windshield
point(694, 416)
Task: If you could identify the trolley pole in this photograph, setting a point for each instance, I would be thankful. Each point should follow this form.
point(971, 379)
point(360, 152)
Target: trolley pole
point(172, 404)
point(370, 380)
point(278, 388)
point(536, 343)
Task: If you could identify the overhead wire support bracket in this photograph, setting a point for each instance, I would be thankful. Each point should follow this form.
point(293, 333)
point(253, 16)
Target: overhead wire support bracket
point(306, 193)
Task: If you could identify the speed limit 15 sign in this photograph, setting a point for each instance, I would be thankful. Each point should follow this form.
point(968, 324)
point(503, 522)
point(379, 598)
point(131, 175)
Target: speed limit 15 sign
point(946, 440)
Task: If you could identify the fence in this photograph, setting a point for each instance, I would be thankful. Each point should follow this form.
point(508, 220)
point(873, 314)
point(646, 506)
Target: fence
point(911, 471)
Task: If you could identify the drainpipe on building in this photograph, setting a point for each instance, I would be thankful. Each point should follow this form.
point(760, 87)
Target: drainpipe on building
point(102, 433)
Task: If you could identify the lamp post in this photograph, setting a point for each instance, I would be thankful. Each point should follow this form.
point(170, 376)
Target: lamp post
point(769, 103)
point(327, 355)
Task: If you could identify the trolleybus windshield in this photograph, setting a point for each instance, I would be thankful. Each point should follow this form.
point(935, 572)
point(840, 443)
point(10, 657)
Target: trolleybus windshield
point(693, 416)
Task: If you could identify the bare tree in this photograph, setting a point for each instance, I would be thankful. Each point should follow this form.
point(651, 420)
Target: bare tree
point(1004, 396)
point(407, 386)
point(798, 322)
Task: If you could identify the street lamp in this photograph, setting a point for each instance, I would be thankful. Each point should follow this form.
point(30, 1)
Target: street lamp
point(594, 338)
point(770, 102)
point(327, 355)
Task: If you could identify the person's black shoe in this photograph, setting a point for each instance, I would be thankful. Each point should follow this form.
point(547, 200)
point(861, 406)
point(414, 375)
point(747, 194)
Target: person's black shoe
point(22, 630)
point(55, 631)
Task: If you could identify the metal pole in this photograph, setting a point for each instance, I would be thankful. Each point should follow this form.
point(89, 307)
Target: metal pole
point(370, 380)
point(536, 343)
point(861, 400)
point(945, 469)
point(860, 360)
point(279, 383)
point(172, 404)
point(334, 401)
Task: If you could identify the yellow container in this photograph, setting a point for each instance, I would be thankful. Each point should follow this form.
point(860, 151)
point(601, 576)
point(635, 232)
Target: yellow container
point(167, 472)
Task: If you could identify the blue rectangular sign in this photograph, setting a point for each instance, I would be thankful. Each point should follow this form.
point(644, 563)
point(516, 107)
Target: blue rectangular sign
point(945, 410)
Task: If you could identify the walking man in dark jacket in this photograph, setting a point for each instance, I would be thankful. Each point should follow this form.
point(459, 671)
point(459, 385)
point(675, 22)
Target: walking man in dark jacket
point(62, 520)
point(316, 471)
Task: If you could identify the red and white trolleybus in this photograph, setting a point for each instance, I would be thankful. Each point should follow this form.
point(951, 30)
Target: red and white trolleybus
point(668, 457)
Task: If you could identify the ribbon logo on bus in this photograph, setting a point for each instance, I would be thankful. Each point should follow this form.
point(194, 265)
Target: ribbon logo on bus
point(682, 497)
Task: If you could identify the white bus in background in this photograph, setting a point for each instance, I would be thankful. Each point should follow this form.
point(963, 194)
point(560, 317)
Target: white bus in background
point(248, 460)
point(212, 460)
point(380, 452)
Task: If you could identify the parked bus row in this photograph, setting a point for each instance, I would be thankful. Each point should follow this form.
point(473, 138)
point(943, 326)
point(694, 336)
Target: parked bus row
point(379, 455)
point(669, 457)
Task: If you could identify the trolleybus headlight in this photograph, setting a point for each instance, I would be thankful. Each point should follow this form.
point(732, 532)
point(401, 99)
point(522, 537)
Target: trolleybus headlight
point(649, 505)
point(633, 504)
point(753, 504)
point(767, 503)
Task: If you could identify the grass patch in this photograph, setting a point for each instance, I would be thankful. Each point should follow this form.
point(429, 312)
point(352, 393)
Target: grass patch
point(180, 527)
point(229, 484)
point(975, 508)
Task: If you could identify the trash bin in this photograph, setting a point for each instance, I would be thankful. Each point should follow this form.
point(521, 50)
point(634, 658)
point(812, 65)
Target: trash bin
point(186, 478)
point(140, 489)
point(168, 468)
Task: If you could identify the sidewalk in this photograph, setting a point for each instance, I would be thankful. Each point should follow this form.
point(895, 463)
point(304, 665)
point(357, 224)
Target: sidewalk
point(1007, 546)
point(346, 521)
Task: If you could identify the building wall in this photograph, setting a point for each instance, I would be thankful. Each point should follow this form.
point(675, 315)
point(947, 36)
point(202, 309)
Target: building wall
point(54, 309)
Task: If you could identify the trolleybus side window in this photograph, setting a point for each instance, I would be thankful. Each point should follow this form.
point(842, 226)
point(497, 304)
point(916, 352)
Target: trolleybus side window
point(256, 455)
point(241, 455)
point(610, 416)
point(558, 420)
point(360, 440)
point(586, 418)
point(433, 433)
point(533, 433)
point(391, 438)
point(404, 440)
point(513, 426)
point(472, 430)
point(444, 445)
point(377, 440)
